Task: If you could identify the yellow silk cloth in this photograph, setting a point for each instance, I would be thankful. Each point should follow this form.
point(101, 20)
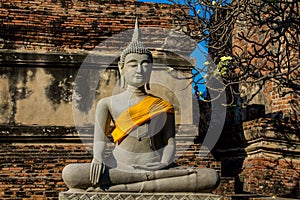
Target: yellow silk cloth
point(139, 114)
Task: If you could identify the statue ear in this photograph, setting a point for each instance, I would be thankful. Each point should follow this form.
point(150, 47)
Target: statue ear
point(122, 80)
point(147, 86)
point(120, 66)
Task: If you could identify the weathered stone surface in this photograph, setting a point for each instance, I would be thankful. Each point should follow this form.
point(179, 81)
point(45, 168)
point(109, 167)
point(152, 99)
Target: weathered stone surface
point(45, 81)
point(137, 196)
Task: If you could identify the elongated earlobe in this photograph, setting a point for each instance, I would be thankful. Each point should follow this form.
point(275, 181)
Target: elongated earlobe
point(122, 82)
point(147, 86)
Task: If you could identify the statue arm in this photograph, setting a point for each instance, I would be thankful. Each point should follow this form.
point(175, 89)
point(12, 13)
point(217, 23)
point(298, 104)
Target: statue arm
point(102, 122)
point(101, 129)
point(169, 138)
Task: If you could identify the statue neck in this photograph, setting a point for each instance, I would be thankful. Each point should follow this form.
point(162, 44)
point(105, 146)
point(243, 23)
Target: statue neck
point(135, 92)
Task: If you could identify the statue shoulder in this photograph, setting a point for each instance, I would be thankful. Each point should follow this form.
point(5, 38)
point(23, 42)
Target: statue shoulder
point(103, 103)
point(112, 104)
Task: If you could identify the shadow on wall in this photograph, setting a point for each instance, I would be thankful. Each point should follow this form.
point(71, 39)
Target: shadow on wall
point(14, 88)
point(61, 87)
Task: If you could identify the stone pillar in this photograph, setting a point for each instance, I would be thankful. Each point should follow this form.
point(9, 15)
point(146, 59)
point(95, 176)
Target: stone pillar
point(271, 130)
point(272, 164)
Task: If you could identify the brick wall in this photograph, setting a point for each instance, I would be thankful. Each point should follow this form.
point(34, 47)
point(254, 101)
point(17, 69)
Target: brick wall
point(195, 156)
point(33, 171)
point(279, 177)
point(59, 25)
point(270, 121)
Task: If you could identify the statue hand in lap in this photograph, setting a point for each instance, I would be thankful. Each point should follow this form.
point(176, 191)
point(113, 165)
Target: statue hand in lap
point(97, 166)
point(97, 169)
point(144, 137)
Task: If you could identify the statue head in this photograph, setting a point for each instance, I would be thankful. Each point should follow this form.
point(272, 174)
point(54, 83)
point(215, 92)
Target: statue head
point(136, 60)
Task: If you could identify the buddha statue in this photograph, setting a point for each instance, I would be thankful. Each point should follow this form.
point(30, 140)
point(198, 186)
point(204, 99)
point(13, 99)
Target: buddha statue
point(144, 137)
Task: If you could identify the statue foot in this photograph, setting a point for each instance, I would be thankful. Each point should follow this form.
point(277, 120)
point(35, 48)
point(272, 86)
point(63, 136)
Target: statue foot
point(90, 189)
point(97, 189)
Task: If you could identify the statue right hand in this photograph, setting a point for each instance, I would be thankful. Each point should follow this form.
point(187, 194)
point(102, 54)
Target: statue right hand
point(96, 171)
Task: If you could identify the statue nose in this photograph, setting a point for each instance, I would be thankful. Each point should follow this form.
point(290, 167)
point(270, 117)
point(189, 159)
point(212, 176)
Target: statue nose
point(139, 68)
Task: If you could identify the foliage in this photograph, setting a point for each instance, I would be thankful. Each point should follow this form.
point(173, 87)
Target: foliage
point(261, 38)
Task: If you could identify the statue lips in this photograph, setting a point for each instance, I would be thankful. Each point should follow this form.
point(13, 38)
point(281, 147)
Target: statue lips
point(139, 77)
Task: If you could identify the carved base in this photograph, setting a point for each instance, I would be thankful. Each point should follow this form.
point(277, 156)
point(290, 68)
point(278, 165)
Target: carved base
point(136, 196)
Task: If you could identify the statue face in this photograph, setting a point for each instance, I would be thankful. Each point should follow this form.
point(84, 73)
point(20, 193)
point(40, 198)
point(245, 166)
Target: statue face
point(137, 69)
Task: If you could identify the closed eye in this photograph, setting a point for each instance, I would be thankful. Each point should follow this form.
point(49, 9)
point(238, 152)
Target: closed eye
point(145, 64)
point(132, 64)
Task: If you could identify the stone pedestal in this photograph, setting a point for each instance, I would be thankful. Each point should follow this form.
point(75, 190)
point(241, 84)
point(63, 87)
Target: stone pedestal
point(272, 164)
point(136, 196)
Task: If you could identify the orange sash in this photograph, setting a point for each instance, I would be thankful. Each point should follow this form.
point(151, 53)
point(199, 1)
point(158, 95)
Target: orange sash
point(139, 114)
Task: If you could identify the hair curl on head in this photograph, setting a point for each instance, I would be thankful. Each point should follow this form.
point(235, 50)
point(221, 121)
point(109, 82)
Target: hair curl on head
point(135, 46)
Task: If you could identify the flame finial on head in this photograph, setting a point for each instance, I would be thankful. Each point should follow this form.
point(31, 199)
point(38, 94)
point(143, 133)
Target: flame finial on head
point(137, 32)
point(136, 45)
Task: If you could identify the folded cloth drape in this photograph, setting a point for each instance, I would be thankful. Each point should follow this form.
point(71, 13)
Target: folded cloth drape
point(139, 114)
